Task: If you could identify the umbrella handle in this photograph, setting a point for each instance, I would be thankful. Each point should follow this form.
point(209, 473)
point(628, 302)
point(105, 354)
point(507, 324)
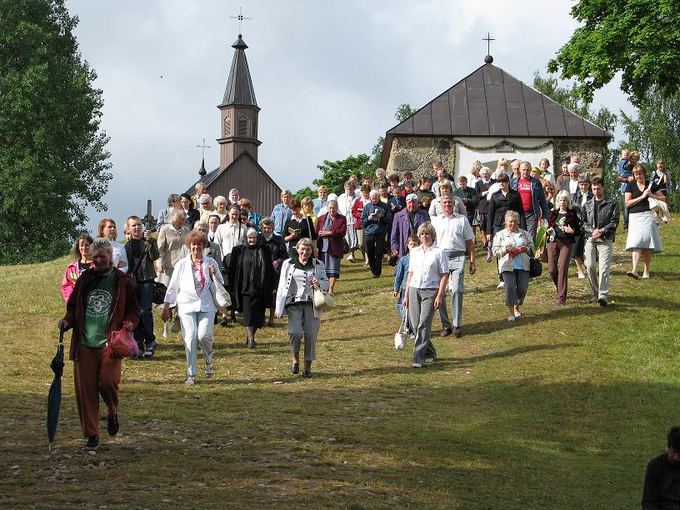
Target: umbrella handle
point(61, 334)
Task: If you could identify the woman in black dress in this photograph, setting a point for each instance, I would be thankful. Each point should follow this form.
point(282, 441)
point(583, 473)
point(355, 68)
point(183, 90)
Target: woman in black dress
point(250, 282)
point(297, 227)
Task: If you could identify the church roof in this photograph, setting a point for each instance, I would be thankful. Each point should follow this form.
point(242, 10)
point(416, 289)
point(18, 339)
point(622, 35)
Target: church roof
point(491, 102)
point(239, 88)
point(211, 176)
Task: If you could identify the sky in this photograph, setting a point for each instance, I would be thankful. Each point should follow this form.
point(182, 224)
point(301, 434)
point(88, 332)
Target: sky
point(328, 76)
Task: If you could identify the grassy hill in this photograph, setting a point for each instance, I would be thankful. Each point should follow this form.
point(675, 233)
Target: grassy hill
point(560, 410)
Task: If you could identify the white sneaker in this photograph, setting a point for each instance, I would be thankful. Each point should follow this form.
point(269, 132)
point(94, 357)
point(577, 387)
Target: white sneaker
point(417, 365)
point(190, 381)
point(512, 318)
point(518, 314)
point(429, 360)
point(350, 258)
point(500, 285)
point(581, 276)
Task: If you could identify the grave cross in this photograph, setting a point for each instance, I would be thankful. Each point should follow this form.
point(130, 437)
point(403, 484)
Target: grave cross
point(240, 19)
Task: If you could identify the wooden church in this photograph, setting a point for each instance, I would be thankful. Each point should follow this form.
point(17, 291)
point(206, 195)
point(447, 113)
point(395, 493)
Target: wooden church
point(239, 143)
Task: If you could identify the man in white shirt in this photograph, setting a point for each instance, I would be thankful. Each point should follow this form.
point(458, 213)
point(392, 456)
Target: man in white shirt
point(456, 238)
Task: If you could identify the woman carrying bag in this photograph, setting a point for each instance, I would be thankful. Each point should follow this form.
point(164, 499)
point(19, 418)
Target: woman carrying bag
point(300, 276)
point(190, 287)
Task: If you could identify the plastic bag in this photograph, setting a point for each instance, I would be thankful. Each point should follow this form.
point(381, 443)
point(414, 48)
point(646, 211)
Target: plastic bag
point(123, 344)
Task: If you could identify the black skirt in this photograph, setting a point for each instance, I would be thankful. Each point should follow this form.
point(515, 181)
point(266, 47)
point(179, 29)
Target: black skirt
point(253, 309)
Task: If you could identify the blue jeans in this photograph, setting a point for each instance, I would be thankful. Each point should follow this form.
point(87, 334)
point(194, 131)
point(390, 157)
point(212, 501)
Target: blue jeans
point(144, 332)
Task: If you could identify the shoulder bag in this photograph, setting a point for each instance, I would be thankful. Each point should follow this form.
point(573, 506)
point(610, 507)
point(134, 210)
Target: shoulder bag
point(322, 300)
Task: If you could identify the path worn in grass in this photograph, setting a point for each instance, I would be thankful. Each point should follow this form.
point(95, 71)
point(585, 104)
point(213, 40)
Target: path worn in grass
point(560, 410)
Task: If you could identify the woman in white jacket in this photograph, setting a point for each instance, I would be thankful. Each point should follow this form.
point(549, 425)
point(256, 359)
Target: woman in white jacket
point(299, 276)
point(190, 288)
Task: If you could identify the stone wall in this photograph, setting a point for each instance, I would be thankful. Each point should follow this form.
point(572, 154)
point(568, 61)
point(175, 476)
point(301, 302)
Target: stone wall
point(418, 153)
point(590, 151)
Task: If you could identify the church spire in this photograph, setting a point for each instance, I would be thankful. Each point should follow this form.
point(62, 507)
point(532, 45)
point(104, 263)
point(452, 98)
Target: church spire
point(239, 88)
point(238, 111)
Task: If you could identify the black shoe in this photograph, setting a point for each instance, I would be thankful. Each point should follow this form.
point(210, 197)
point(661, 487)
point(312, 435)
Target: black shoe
point(295, 368)
point(445, 332)
point(602, 301)
point(307, 373)
point(150, 349)
point(112, 424)
point(251, 344)
point(457, 332)
point(92, 442)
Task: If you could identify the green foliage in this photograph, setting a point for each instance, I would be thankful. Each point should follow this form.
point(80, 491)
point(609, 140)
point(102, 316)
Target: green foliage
point(655, 132)
point(640, 38)
point(305, 192)
point(404, 111)
point(335, 173)
point(52, 157)
point(569, 98)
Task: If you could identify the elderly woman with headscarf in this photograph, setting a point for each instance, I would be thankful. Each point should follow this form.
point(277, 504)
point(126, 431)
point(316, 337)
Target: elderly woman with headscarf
point(513, 246)
point(250, 277)
point(103, 301)
point(80, 255)
point(299, 277)
point(563, 227)
point(643, 232)
point(428, 274)
point(190, 287)
point(170, 241)
point(107, 228)
point(331, 228)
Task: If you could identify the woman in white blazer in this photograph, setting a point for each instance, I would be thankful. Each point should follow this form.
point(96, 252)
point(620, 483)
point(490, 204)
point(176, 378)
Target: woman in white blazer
point(513, 246)
point(299, 276)
point(190, 288)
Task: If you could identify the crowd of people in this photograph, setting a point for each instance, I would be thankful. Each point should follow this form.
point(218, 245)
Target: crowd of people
point(427, 230)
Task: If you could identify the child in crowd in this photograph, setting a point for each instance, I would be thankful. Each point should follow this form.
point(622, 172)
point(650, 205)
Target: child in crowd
point(396, 202)
point(400, 275)
point(407, 186)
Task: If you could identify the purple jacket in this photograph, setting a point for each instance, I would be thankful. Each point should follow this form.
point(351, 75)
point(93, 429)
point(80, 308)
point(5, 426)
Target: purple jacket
point(400, 229)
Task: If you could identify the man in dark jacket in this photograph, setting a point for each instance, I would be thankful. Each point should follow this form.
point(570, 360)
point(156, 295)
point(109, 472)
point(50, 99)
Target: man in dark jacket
point(375, 219)
point(599, 219)
point(142, 252)
point(662, 478)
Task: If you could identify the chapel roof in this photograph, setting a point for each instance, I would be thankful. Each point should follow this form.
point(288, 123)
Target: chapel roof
point(492, 103)
point(239, 89)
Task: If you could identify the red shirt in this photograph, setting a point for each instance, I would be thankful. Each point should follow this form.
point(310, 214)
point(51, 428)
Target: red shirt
point(524, 190)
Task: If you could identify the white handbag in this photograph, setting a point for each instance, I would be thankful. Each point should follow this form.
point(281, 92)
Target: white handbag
point(400, 337)
point(322, 300)
point(220, 295)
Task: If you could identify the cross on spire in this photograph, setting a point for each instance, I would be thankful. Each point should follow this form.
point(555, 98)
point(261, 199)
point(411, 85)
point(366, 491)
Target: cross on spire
point(240, 19)
point(203, 147)
point(488, 59)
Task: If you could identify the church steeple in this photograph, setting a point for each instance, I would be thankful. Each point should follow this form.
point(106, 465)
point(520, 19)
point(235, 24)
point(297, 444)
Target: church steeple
point(239, 110)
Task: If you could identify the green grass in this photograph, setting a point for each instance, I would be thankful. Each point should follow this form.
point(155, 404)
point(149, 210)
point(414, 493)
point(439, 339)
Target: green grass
point(560, 410)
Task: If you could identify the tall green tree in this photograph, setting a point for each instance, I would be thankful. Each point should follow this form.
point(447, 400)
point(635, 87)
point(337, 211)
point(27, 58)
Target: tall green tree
point(639, 38)
point(53, 161)
point(570, 98)
point(654, 131)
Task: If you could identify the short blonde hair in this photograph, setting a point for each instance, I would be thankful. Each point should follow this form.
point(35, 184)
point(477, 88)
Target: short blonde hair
point(427, 227)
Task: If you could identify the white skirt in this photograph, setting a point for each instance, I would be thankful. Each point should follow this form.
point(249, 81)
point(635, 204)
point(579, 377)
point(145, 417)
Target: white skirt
point(643, 232)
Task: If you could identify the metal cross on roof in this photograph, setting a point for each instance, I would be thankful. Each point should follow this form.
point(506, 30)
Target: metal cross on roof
point(203, 147)
point(240, 19)
point(488, 40)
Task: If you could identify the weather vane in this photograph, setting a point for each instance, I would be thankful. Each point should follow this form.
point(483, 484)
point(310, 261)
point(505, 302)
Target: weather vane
point(203, 147)
point(240, 19)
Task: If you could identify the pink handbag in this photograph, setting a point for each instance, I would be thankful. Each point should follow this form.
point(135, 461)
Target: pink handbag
point(123, 344)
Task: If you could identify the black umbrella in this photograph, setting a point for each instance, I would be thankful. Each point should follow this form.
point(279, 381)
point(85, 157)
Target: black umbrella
point(54, 395)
